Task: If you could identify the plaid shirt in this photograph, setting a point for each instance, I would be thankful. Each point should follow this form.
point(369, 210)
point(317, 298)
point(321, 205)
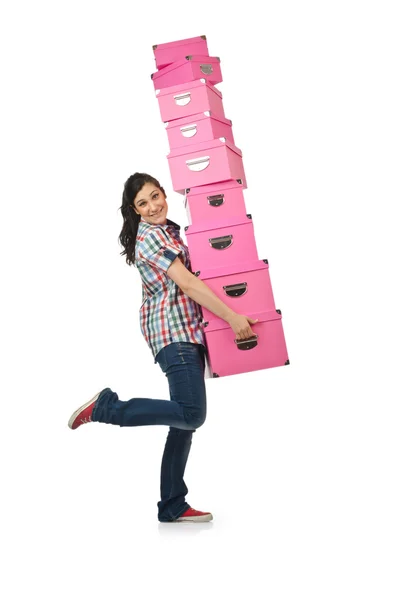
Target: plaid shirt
point(167, 314)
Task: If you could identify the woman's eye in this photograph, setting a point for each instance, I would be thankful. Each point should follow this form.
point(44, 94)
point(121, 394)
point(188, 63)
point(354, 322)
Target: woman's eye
point(155, 196)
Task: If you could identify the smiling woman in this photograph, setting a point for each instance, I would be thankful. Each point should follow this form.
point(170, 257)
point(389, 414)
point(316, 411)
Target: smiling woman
point(151, 204)
point(171, 323)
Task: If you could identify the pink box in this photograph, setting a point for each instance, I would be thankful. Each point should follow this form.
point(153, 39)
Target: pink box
point(165, 54)
point(187, 99)
point(198, 128)
point(204, 163)
point(215, 202)
point(245, 288)
point(189, 69)
point(264, 351)
point(226, 244)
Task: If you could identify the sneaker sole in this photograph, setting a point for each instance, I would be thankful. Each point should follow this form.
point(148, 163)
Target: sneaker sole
point(201, 519)
point(80, 410)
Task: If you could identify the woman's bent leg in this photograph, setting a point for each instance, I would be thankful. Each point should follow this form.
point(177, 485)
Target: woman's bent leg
point(138, 411)
point(181, 362)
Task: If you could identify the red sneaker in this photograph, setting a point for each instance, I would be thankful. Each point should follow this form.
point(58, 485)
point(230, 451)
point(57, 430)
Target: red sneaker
point(83, 414)
point(195, 515)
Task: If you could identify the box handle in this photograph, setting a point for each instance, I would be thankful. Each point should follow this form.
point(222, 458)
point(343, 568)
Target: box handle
point(220, 243)
point(247, 344)
point(235, 290)
point(217, 200)
point(207, 69)
point(189, 131)
point(182, 99)
point(198, 164)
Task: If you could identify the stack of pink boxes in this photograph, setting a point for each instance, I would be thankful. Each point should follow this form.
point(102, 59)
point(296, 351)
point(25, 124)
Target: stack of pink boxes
point(207, 168)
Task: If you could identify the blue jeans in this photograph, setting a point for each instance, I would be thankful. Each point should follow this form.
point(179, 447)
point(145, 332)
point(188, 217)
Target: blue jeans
point(184, 364)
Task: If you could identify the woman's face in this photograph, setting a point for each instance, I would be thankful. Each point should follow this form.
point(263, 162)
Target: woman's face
point(150, 203)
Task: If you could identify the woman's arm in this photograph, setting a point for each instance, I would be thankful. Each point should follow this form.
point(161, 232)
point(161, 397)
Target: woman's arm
point(198, 291)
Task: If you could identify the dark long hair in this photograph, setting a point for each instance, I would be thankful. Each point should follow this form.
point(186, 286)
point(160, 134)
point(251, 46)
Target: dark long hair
point(127, 237)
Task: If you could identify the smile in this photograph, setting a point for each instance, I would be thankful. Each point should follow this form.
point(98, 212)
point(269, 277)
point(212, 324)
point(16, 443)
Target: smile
point(157, 214)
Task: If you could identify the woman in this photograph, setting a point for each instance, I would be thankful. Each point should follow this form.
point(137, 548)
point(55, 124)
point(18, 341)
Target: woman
point(170, 320)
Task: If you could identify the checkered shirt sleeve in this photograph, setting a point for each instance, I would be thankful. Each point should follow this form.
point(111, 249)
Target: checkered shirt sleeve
point(158, 250)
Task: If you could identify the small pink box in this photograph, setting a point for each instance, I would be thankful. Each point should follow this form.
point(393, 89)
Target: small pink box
point(189, 69)
point(228, 356)
point(205, 163)
point(226, 244)
point(194, 129)
point(245, 288)
point(165, 54)
point(215, 202)
point(186, 99)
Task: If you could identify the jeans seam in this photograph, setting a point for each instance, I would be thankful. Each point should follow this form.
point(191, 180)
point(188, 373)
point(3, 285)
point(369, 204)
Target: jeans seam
point(172, 476)
point(190, 395)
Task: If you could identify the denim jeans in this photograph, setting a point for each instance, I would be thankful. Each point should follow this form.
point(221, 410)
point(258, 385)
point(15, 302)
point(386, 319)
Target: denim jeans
point(184, 365)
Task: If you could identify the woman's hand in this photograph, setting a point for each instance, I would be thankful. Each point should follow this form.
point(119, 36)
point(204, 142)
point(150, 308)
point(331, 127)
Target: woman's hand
point(241, 326)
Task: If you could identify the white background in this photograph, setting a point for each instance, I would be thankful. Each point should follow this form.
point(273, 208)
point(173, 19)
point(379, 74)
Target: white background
point(296, 463)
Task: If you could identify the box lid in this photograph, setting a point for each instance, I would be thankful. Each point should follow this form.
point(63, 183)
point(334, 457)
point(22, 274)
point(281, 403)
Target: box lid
point(239, 268)
point(263, 317)
point(197, 117)
point(201, 58)
point(204, 146)
point(182, 88)
point(213, 226)
point(179, 43)
point(218, 187)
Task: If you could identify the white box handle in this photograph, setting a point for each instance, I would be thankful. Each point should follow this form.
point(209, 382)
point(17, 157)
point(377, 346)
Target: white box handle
point(189, 131)
point(182, 99)
point(198, 164)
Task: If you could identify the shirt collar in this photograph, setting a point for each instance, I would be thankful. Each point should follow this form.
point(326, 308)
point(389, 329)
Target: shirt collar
point(168, 223)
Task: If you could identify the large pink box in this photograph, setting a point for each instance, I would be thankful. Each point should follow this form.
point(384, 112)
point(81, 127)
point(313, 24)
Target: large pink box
point(189, 69)
point(186, 99)
point(165, 54)
point(198, 128)
point(245, 288)
point(228, 356)
point(204, 163)
point(225, 244)
point(215, 202)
